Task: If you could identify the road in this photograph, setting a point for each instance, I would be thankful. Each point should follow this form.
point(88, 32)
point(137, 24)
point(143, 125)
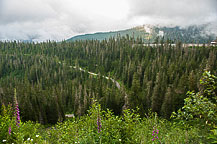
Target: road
point(117, 84)
point(94, 74)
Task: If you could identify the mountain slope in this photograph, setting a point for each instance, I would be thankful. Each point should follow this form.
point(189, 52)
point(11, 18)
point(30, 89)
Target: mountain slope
point(149, 33)
point(107, 35)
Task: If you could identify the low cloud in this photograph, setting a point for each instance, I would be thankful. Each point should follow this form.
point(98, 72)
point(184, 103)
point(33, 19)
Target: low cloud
point(171, 12)
point(57, 20)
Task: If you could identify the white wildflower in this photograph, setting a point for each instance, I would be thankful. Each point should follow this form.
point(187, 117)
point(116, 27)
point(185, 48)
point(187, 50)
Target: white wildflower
point(28, 139)
point(37, 135)
point(31, 139)
point(119, 139)
point(4, 140)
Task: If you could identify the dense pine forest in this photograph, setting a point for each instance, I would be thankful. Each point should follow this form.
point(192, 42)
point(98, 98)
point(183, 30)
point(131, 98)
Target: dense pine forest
point(51, 79)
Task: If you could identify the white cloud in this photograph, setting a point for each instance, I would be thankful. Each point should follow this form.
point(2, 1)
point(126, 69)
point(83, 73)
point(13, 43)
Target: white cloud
point(57, 20)
point(182, 12)
point(25, 10)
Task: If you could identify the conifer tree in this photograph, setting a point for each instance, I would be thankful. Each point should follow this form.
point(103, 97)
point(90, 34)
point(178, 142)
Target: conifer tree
point(167, 106)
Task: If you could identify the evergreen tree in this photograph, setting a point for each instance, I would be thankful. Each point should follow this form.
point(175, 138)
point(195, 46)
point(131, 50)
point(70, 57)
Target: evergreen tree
point(167, 106)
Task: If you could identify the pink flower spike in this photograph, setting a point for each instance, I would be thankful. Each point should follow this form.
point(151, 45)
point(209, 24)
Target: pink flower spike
point(17, 111)
point(9, 130)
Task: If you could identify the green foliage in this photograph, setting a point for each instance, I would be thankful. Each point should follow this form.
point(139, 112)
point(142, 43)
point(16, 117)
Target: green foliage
point(201, 108)
point(201, 105)
point(57, 78)
point(5, 121)
point(52, 79)
point(213, 136)
point(27, 132)
point(128, 128)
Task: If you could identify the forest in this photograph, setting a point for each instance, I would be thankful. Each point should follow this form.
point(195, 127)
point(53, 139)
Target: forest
point(130, 85)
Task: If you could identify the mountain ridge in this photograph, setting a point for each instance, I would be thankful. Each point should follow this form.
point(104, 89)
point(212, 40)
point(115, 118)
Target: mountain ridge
point(151, 33)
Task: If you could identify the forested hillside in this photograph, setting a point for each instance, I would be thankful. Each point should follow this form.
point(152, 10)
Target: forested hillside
point(151, 33)
point(49, 81)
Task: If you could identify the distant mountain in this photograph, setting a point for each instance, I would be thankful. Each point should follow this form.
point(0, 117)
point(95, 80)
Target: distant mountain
point(149, 33)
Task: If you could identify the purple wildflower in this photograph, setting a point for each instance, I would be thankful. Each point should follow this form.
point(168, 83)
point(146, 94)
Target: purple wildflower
point(17, 114)
point(9, 130)
point(155, 133)
point(17, 111)
point(99, 124)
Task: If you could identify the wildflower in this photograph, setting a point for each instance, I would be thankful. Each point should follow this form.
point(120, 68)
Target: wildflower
point(155, 133)
point(119, 139)
point(37, 135)
point(17, 115)
point(17, 111)
point(4, 140)
point(31, 139)
point(28, 139)
point(9, 130)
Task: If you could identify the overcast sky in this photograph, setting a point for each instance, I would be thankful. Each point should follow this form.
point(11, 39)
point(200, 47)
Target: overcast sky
point(62, 19)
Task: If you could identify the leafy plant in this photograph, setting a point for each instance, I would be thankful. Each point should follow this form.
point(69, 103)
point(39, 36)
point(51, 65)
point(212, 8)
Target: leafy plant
point(213, 136)
point(203, 104)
